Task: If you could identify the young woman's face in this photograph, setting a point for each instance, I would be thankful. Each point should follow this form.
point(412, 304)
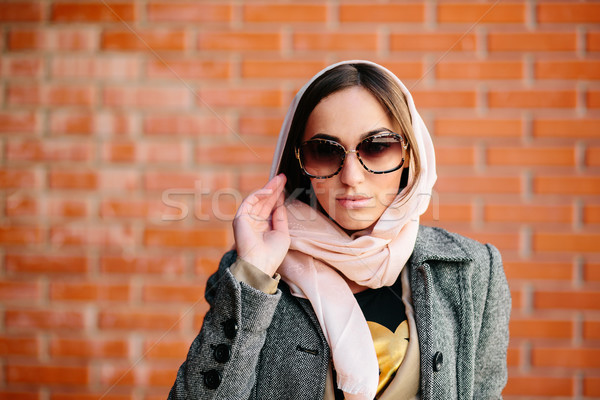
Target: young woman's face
point(354, 198)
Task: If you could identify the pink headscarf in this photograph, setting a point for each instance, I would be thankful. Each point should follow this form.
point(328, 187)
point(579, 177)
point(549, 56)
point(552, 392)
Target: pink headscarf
point(321, 252)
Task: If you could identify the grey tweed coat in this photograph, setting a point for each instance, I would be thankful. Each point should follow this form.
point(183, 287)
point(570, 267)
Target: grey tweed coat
point(258, 346)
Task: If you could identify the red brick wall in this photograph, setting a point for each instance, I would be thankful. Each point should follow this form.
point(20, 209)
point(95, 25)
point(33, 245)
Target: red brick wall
point(114, 116)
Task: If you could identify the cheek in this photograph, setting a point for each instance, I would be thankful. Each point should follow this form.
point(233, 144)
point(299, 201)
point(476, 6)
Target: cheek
point(387, 188)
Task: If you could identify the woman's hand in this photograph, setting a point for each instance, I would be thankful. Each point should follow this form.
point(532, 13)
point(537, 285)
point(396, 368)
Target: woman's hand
point(260, 227)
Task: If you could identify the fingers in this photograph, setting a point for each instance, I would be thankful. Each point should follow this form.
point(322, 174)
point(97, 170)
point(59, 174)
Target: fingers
point(260, 203)
point(279, 219)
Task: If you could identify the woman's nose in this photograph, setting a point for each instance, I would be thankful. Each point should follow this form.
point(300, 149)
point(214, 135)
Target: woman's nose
point(352, 172)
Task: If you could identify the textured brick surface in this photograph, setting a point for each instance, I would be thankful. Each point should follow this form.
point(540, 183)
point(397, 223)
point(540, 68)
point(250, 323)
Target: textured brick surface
point(131, 130)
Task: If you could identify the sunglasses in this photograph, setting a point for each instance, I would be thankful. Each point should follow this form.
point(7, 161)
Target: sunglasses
point(381, 153)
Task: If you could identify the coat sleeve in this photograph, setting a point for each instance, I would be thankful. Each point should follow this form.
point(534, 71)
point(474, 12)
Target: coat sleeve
point(490, 358)
point(221, 362)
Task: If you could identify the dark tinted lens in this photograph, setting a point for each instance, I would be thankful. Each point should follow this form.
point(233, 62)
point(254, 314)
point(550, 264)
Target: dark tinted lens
point(321, 157)
point(381, 153)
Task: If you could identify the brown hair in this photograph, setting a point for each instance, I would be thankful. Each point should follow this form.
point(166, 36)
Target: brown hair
point(382, 86)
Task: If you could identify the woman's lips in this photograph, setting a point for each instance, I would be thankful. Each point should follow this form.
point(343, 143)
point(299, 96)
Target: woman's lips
point(351, 203)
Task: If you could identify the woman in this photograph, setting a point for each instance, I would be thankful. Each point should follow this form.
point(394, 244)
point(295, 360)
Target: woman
point(370, 304)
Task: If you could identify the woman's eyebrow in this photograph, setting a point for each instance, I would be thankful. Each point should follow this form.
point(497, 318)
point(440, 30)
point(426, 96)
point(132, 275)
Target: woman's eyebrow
point(362, 137)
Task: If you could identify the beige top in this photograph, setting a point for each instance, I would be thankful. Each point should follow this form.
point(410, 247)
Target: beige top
point(406, 382)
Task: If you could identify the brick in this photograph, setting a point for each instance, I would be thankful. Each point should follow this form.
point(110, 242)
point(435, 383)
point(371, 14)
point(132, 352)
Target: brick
point(19, 178)
point(182, 238)
point(541, 329)
point(145, 152)
point(567, 300)
point(382, 13)
point(568, 12)
point(532, 41)
point(483, 70)
point(591, 386)
point(166, 348)
point(454, 155)
point(239, 41)
point(25, 205)
point(90, 180)
point(179, 12)
point(15, 290)
point(46, 263)
point(528, 213)
point(89, 395)
point(566, 128)
point(538, 270)
point(250, 181)
point(504, 241)
point(21, 11)
point(88, 291)
point(591, 272)
point(572, 69)
point(92, 235)
point(174, 292)
point(188, 69)
point(248, 97)
point(11, 395)
point(14, 235)
point(445, 99)
point(43, 319)
point(281, 69)
point(21, 67)
point(67, 122)
point(506, 13)
point(335, 41)
point(593, 99)
point(113, 68)
point(19, 346)
point(135, 208)
point(235, 154)
point(448, 213)
point(566, 242)
point(51, 95)
point(52, 39)
point(513, 357)
point(21, 122)
point(48, 150)
point(82, 180)
point(536, 99)
point(93, 12)
point(591, 214)
point(591, 330)
point(155, 40)
point(253, 125)
point(405, 69)
point(433, 42)
point(186, 125)
point(476, 128)
point(531, 156)
point(592, 157)
point(593, 41)
point(284, 13)
point(143, 264)
point(479, 184)
point(539, 386)
point(566, 185)
point(47, 374)
point(197, 181)
point(565, 357)
point(147, 97)
point(85, 348)
point(153, 377)
point(141, 320)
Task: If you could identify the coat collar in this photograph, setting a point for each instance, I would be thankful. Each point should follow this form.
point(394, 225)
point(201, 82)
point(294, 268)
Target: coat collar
point(438, 244)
